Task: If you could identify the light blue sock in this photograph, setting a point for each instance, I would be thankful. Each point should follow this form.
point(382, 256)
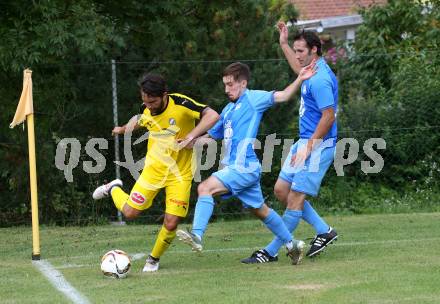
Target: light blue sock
point(275, 223)
point(202, 214)
point(291, 219)
point(313, 218)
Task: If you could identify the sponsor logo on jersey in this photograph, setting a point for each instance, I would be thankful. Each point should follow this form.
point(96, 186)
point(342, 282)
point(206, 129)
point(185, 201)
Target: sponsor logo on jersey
point(228, 132)
point(172, 121)
point(137, 198)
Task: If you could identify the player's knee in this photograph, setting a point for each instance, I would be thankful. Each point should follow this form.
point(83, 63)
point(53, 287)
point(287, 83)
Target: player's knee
point(170, 226)
point(171, 222)
point(130, 213)
point(261, 212)
point(280, 193)
point(203, 189)
point(295, 200)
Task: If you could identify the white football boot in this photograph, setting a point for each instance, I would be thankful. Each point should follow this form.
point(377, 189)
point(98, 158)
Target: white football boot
point(190, 239)
point(104, 190)
point(151, 264)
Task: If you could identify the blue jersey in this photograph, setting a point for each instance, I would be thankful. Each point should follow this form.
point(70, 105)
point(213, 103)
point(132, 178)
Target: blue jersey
point(318, 93)
point(238, 126)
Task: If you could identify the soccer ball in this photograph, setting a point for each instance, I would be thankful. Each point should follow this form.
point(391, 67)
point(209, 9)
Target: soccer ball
point(115, 264)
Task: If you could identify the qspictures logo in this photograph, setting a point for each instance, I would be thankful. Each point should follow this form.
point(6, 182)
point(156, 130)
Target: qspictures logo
point(208, 154)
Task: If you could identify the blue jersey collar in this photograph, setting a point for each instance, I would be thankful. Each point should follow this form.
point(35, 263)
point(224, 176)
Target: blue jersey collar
point(245, 92)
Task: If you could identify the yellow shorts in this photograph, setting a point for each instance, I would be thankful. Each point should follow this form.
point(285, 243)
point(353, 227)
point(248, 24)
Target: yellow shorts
point(145, 189)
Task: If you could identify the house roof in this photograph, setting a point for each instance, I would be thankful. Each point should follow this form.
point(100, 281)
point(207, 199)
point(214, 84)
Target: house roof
point(329, 23)
point(319, 9)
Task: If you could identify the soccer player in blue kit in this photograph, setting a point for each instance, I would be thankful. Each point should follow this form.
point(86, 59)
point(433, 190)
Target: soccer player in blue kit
point(238, 127)
point(313, 153)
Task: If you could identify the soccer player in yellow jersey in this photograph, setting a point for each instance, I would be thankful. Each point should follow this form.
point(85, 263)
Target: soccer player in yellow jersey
point(171, 122)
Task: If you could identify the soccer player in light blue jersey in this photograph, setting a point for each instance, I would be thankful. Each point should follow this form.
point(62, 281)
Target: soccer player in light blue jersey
point(313, 153)
point(238, 127)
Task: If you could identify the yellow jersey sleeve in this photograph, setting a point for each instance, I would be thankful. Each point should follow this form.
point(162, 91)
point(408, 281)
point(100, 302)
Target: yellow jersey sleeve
point(191, 107)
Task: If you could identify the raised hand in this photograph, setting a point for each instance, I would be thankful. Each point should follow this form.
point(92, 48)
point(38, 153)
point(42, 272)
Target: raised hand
point(308, 71)
point(284, 32)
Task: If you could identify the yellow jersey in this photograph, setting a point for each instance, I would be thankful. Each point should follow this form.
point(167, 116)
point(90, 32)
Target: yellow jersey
point(163, 160)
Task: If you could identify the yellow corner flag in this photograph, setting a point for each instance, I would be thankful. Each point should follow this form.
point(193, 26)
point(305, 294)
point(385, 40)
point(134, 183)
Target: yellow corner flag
point(25, 111)
point(26, 104)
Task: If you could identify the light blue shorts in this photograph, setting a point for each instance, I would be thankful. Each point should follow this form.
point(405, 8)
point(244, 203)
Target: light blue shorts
point(308, 179)
point(245, 186)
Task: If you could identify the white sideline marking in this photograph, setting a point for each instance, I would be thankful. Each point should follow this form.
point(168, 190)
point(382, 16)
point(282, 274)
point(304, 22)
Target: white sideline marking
point(384, 242)
point(138, 256)
point(334, 243)
point(57, 280)
point(216, 250)
point(67, 266)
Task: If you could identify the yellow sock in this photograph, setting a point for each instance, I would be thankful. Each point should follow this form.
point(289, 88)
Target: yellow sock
point(119, 197)
point(163, 241)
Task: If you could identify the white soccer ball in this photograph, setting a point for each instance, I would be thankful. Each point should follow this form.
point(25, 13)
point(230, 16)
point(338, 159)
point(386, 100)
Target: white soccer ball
point(115, 264)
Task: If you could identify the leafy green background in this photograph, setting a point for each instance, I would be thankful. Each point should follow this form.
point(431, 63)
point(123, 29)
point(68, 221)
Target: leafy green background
point(389, 88)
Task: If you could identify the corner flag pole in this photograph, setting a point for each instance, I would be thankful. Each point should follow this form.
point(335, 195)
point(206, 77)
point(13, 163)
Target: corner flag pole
point(25, 111)
point(34, 191)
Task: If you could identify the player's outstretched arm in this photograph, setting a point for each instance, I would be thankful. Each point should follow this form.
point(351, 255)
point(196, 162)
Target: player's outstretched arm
point(201, 140)
point(287, 50)
point(131, 125)
point(305, 73)
point(209, 118)
point(324, 125)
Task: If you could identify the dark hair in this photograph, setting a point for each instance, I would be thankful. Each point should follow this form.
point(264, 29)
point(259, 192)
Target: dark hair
point(153, 85)
point(311, 40)
point(238, 70)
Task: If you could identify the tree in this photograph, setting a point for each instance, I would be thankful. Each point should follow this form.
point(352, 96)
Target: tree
point(69, 45)
point(390, 32)
point(54, 39)
point(390, 89)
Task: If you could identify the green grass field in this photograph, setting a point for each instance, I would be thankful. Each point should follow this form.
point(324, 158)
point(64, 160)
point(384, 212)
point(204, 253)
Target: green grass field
point(378, 259)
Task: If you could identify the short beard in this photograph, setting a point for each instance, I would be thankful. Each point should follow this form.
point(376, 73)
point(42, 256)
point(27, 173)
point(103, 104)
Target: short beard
point(230, 99)
point(161, 108)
